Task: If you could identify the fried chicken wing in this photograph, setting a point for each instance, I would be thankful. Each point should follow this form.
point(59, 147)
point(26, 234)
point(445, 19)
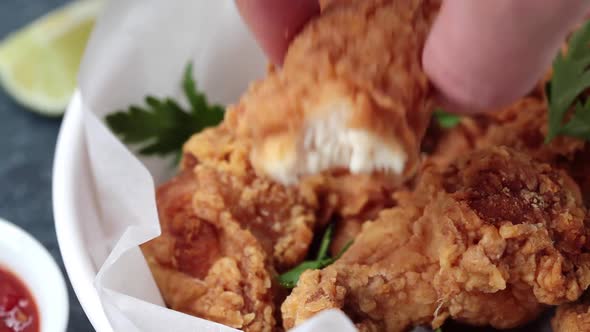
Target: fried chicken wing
point(572, 317)
point(214, 270)
point(488, 241)
point(351, 94)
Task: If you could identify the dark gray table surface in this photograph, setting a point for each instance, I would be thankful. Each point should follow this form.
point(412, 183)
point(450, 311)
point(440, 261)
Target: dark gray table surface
point(26, 155)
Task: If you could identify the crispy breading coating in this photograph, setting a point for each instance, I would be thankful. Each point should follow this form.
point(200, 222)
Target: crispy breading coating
point(351, 94)
point(488, 241)
point(213, 270)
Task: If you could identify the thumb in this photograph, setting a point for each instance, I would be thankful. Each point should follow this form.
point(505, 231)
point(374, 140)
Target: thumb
point(486, 54)
point(275, 22)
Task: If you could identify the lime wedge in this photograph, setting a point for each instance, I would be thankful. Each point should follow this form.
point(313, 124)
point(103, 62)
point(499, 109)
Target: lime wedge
point(39, 63)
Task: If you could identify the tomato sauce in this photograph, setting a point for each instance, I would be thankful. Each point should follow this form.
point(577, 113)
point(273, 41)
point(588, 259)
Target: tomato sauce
point(18, 311)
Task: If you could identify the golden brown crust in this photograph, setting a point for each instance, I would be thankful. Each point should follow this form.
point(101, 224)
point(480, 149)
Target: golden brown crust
point(494, 230)
point(361, 57)
point(528, 220)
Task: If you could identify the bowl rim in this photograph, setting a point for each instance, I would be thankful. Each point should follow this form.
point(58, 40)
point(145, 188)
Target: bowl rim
point(78, 263)
point(38, 261)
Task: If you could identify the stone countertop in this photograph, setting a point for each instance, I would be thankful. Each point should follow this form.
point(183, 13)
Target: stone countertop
point(26, 150)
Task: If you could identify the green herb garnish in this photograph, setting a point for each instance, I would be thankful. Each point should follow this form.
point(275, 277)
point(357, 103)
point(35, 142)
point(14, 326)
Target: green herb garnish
point(162, 126)
point(438, 330)
point(446, 120)
point(289, 279)
point(571, 77)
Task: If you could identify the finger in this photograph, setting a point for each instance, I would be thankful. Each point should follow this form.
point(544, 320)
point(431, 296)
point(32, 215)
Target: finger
point(486, 54)
point(275, 22)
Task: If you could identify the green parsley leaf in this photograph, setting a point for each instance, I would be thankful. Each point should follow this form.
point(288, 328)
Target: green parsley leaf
point(446, 120)
point(162, 126)
point(289, 279)
point(571, 77)
point(438, 330)
point(579, 125)
point(325, 244)
point(198, 100)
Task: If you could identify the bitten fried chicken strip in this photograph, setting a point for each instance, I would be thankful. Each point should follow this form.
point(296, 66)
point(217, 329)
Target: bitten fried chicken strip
point(489, 241)
point(351, 94)
point(572, 317)
point(217, 271)
point(281, 218)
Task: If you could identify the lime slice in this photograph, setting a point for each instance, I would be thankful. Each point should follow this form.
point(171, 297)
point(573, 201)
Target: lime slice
point(39, 63)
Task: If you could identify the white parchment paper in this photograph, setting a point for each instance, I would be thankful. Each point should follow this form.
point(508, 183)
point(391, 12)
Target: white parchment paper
point(141, 47)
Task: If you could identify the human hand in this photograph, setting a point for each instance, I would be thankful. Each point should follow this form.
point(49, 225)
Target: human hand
point(479, 54)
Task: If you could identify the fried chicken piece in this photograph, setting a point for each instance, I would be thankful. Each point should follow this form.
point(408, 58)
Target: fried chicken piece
point(281, 218)
point(214, 270)
point(383, 282)
point(572, 317)
point(488, 241)
point(351, 94)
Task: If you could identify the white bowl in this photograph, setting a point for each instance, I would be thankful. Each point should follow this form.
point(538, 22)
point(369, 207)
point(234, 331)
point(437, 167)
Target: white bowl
point(24, 256)
point(75, 214)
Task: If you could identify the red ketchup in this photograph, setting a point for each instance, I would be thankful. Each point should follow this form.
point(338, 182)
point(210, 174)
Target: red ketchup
point(18, 311)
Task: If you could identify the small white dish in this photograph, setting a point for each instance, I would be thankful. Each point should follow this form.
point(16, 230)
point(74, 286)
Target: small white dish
point(27, 259)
